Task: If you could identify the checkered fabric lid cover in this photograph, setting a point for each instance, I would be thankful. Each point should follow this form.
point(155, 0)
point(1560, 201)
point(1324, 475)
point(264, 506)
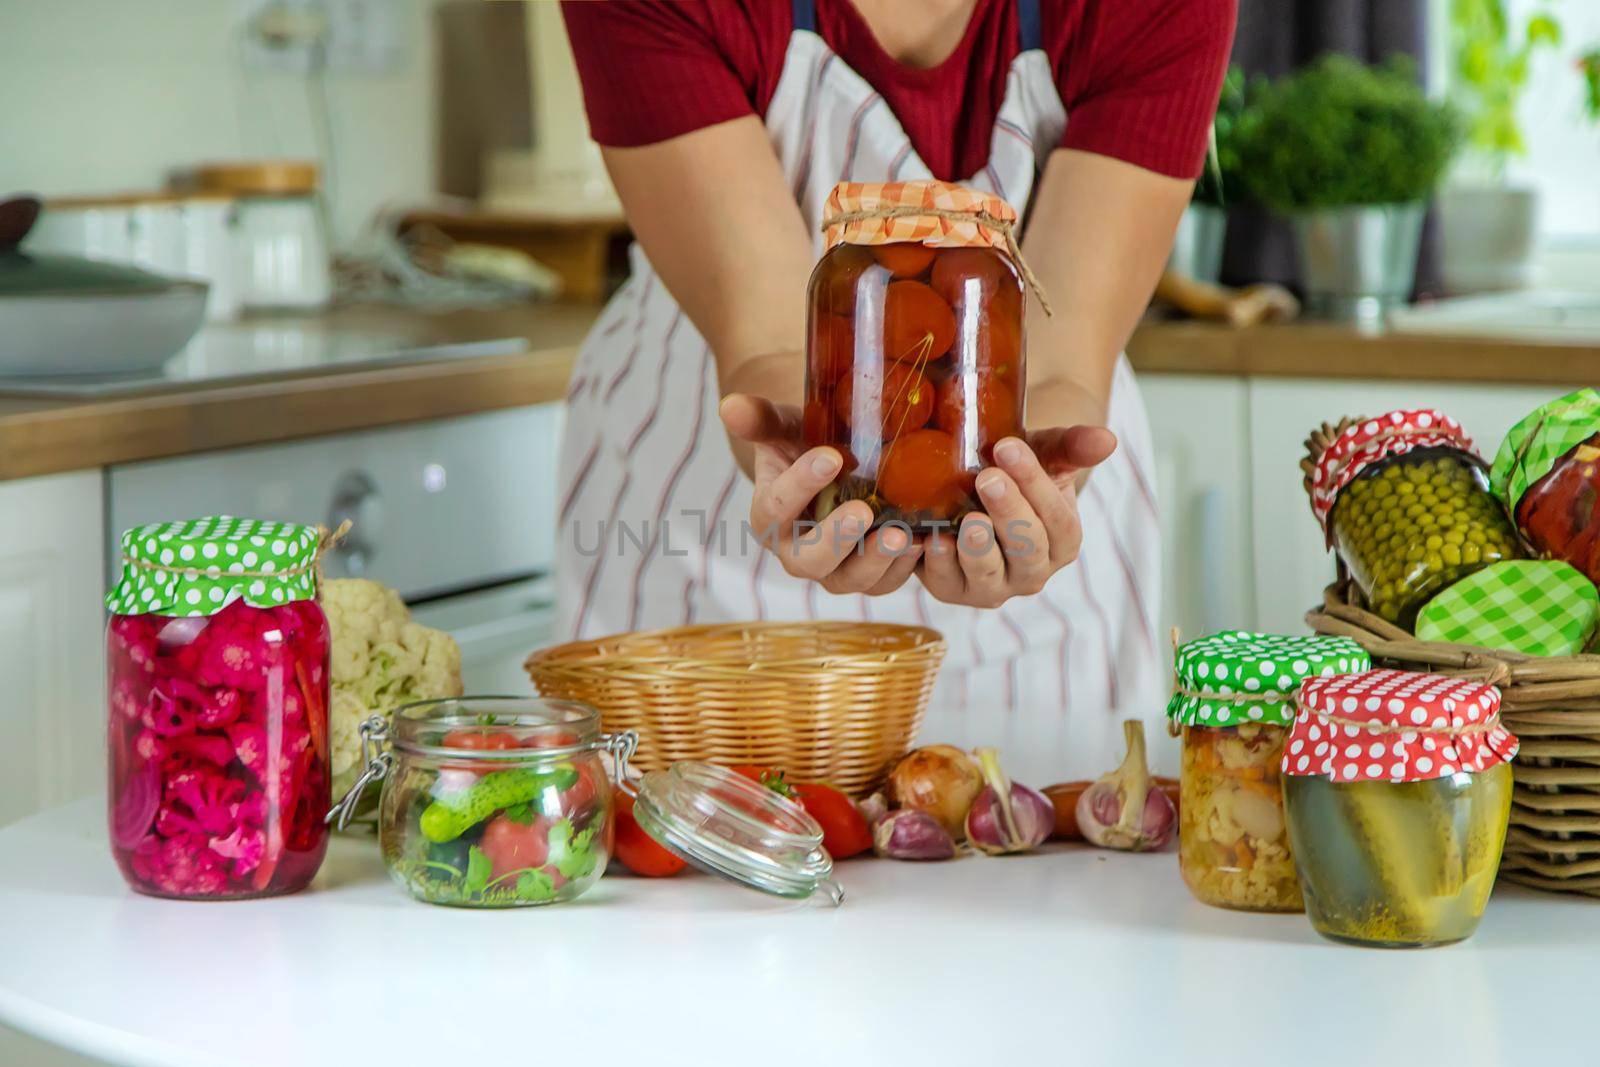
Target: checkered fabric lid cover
point(199, 566)
point(1365, 443)
point(1540, 607)
point(1396, 726)
point(1534, 445)
point(983, 222)
point(1235, 676)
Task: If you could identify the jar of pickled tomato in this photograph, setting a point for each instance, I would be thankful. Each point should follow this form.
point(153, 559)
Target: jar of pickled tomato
point(1405, 501)
point(914, 358)
point(1233, 703)
point(1398, 791)
point(1548, 474)
point(218, 683)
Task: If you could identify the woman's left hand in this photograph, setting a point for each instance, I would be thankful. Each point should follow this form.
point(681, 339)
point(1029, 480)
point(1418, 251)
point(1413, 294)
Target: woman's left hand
point(1031, 530)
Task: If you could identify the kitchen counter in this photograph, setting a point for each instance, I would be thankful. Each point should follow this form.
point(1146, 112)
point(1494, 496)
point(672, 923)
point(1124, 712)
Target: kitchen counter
point(1072, 956)
point(51, 436)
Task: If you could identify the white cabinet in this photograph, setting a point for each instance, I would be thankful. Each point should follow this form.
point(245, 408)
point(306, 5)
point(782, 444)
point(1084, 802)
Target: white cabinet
point(52, 714)
point(1291, 563)
point(1201, 430)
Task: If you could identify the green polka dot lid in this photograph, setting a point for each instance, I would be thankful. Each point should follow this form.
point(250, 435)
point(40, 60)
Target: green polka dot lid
point(199, 566)
point(1235, 676)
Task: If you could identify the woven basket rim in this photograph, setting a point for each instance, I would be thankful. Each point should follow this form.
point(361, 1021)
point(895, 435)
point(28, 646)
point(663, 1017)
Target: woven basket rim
point(907, 646)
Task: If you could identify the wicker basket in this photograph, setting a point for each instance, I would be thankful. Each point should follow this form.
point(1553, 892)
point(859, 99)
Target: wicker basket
point(1551, 703)
point(826, 701)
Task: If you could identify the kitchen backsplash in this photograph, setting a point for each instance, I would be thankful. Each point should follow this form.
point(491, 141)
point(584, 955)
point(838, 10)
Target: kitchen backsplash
point(104, 95)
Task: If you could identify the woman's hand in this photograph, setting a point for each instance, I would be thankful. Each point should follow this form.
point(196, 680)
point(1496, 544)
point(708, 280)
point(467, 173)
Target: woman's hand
point(787, 478)
point(1031, 530)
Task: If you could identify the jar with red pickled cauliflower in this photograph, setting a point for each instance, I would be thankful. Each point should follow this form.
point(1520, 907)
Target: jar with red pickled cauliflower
point(218, 681)
point(915, 364)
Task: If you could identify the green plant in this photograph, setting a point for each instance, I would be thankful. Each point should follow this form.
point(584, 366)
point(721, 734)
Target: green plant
point(1340, 133)
point(1491, 66)
point(1219, 184)
point(1589, 67)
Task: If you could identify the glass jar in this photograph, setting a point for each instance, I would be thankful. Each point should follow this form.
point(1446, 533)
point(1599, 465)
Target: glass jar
point(493, 802)
point(1397, 815)
point(1548, 473)
point(1233, 702)
point(218, 691)
point(1406, 503)
point(915, 364)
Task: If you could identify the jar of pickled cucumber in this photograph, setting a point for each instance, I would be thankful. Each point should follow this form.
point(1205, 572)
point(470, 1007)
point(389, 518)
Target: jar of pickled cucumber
point(1233, 702)
point(1548, 474)
point(1406, 503)
point(915, 364)
point(1398, 789)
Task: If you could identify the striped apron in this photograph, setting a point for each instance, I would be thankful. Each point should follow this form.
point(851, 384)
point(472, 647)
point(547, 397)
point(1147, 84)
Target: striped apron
point(653, 510)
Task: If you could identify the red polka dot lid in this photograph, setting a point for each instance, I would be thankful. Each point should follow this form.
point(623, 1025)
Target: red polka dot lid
point(1396, 726)
point(1366, 442)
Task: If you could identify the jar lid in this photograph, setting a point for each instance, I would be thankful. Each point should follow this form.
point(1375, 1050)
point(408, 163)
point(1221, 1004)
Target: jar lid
point(1365, 442)
point(1396, 726)
point(937, 214)
point(738, 829)
point(1546, 434)
point(200, 566)
point(1236, 676)
point(1537, 607)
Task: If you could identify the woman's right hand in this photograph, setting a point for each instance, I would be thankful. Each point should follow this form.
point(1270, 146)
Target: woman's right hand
point(788, 476)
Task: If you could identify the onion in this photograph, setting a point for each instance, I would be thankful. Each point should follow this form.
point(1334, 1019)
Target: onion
point(1121, 810)
point(911, 835)
point(940, 780)
point(1007, 817)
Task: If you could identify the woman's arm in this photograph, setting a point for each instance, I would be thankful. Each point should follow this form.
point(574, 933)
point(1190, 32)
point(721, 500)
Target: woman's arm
point(717, 219)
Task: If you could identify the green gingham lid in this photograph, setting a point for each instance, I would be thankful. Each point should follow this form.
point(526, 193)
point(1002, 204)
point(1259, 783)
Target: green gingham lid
point(1540, 607)
point(1544, 436)
point(1219, 676)
point(198, 566)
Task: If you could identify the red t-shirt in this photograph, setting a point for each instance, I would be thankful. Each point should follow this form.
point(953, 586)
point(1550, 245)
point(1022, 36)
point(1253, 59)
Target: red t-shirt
point(1139, 78)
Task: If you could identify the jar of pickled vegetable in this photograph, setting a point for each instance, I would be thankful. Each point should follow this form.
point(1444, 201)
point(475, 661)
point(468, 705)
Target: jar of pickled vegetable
point(1234, 702)
point(217, 676)
point(915, 364)
point(1548, 474)
point(1398, 790)
point(1405, 501)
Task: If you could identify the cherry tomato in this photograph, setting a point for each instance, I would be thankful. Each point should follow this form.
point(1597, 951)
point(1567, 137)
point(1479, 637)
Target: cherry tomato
point(637, 850)
point(987, 416)
point(838, 277)
point(845, 832)
point(513, 846)
point(1000, 347)
point(917, 324)
point(905, 259)
point(551, 739)
point(478, 740)
point(957, 270)
point(832, 349)
point(897, 403)
point(921, 472)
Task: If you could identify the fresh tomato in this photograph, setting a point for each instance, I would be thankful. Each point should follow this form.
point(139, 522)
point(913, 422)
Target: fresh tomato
point(477, 740)
point(514, 846)
point(845, 832)
point(921, 472)
point(917, 324)
point(637, 850)
point(553, 739)
point(904, 259)
point(987, 409)
point(896, 400)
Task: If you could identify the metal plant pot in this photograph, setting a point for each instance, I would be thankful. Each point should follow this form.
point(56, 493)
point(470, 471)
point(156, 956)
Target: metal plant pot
point(1197, 248)
point(1358, 263)
point(1490, 236)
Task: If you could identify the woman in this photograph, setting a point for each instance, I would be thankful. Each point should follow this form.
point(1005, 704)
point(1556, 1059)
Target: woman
point(724, 125)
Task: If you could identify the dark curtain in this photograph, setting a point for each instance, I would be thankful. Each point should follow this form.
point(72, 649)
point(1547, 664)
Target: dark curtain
point(1275, 37)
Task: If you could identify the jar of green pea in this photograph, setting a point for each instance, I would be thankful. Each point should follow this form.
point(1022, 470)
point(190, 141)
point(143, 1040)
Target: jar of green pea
point(1405, 501)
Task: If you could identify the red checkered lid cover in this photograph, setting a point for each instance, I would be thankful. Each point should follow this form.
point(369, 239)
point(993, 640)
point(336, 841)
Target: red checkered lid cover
point(1395, 726)
point(1366, 442)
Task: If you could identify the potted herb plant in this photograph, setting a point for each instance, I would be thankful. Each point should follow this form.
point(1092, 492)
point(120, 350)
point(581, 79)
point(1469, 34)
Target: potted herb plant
point(1350, 154)
point(1490, 224)
point(1197, 248)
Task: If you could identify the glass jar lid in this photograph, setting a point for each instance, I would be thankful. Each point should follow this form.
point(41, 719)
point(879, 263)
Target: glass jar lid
point(730, 826)
point(1363, 442)
point(495, 729)
point(197, 567)
point(1235, 676)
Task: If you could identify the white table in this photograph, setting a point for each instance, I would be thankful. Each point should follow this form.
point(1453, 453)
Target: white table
point(1070, 957)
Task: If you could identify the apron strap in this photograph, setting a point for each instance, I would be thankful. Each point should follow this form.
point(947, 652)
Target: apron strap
point(805, 16)
point(1030, 25)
